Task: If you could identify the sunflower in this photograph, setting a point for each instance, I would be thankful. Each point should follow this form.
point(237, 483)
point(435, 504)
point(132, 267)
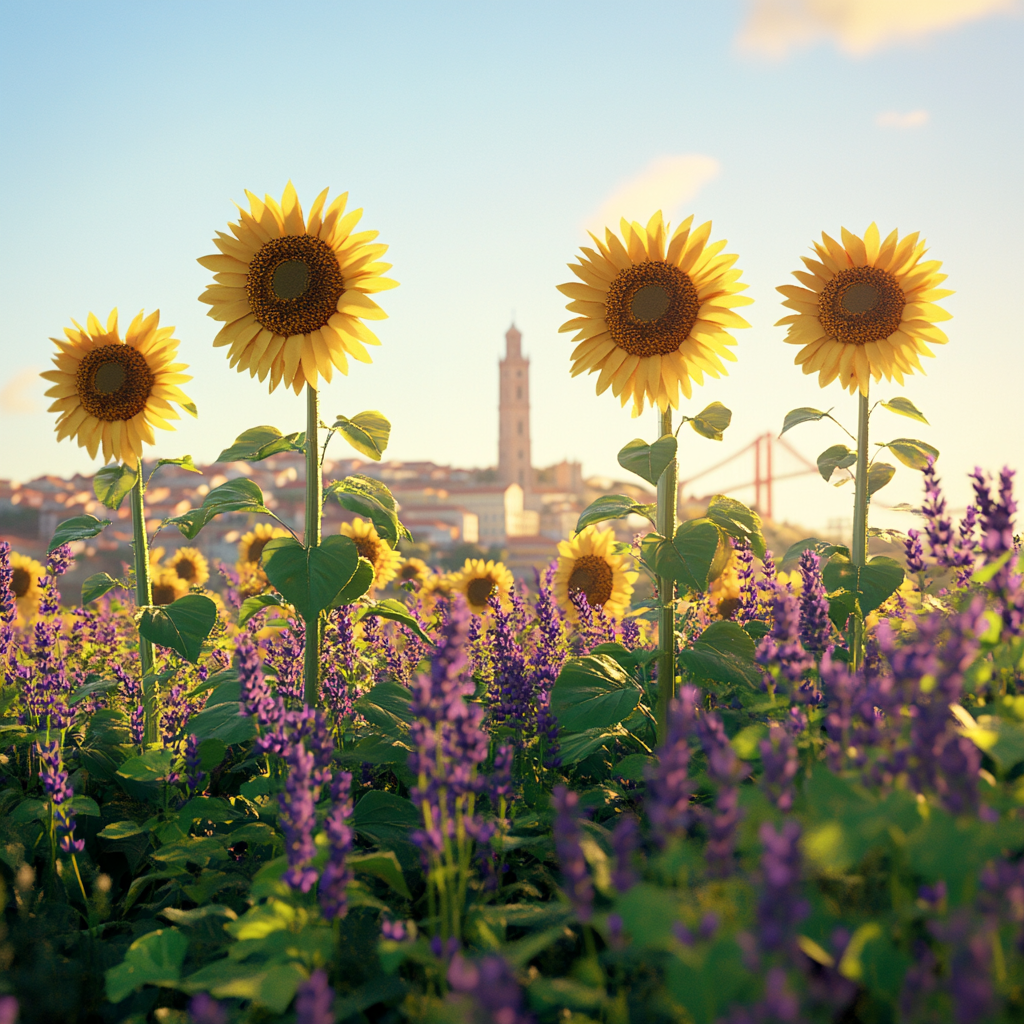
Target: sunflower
point(28, 573)
point(251, 546)
point(168, 586)
point(653, 311)
point(377, 552)
point(436, 585)
point(190, 565)
point(479, 580)
point(588, 563)
point(413, 570)
point(725, 593)
point(111, 393)
point(293, 291)
point(866, 308)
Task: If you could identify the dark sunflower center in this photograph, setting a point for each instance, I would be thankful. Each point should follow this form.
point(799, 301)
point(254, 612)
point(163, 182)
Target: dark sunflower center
point(479, 590)
point(256, 549)
point(186, 569)
point(294, 284)
point(651, 308)
point(861, 304)
point(593, 576)
point(163, 593)
point(114, 382)
point(409, 572)
point(369, 549)
point(20, 582)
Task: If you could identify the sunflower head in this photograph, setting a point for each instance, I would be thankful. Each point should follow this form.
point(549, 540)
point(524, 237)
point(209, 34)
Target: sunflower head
point(588, 563)
point(250, 547)
point(293, 291)
point(865, 308)
point(479, 581)
point(653, 311)
point(724, 592)
point(384, 559)
point(436, 585)
point(110, 392)
point(413, 570)
point(27, 575)
point(168, 586)
point(190, 566)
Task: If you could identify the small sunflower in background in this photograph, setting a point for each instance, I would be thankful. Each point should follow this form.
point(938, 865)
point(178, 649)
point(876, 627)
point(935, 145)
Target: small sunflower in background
point(190, 565)
point(110, 392)
point(293, 291)
point(654, 311)
point(27, 575)
point(413, 570)
point(865, 308)
point(725, 593)
point(588, 563)
point(251, 544)
point(167, 586)
point(479, 580)
point(384, 559)
point(436, 585)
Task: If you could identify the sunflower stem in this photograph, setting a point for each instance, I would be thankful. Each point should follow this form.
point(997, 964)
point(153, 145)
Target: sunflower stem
point(314, 516)
point(144, 598)
point(859, 547)
point(667, 501)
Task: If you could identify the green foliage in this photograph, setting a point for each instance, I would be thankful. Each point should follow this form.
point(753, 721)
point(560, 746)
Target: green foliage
point(112, 484)
point(259, 443)
point(310, 579)
point(153, 959)
point(711, 422)
point(690, 558)
point(904, 407)
point(394, 610)
point(76, 528)
point(870, 584)
point(805, 414)
point(96, 585)
point(182, 626)
point(593, 693)
point(367, 432)
point(839, 456)
point(256, 603)
point(369, 497)
point(648, 461)
point(185, 463)
point(915, 454)
point(612, 506)
point(879, 475)
point(239, 495)
point(737, 520)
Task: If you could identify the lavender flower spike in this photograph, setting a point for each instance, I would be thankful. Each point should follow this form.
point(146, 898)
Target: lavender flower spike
point(570, 855)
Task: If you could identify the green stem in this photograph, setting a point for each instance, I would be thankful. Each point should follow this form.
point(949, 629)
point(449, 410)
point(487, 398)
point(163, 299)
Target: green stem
point(667, 501)
point(859, 547)
point(314, 515)
point(143, 598)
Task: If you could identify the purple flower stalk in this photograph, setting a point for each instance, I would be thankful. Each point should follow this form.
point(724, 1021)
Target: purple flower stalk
point(669, 788)
point(781, 907)
point(997, 542)
point(815, 627)
point(576, 879)
point(725, 768)
point(314, 999)
point(492, 985)
point(55, 784)
point(782, 646)
point(194, 775)
point(337, 874)
point(780, 760)
point(59, 559)
point(914, 551)
point(204, 1009)
point(625, 843)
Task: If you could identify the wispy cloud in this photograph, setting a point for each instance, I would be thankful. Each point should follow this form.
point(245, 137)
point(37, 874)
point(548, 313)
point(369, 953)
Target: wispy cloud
point(665, 184)
point(774, 28)
point(20, 394)
point(894, 119)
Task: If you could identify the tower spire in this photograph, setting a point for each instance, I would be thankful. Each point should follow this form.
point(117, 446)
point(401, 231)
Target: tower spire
point(515, 464)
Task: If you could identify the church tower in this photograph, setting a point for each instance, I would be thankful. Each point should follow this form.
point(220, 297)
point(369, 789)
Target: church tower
point(514, 462)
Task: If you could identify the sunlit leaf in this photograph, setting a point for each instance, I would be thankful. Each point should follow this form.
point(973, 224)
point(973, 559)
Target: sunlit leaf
point(182, 626)
point(96, 585)
point(805, 414)
point(310, 579)
point(394, 610)
point(872, 583)
point(256, 603)
point(112, 484)
point(369, 497)
point(912, 453)
point(689, 557)
point(904, 407)
point(836, 457)
point(712, 421)
point(879, 475)
point(648, 461)
point(77, 528)
point(185, 462)
point(239, 495)
point(258, 443)
point(612, 506)
point(367, 432)
point(737, 520)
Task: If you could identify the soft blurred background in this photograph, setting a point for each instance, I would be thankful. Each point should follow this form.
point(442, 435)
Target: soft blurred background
point(482, 140)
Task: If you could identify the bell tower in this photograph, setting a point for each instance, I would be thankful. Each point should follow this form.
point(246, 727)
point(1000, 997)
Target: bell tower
point(514, 462)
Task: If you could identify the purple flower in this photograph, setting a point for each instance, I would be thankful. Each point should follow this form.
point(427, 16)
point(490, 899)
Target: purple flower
point(625, 842)
point(782, 646)
point(337, 874)
point(493, 987)
point(314, 999)
point(780, 760)
point(510, 689)
point(726, 769)
point(8, 602)
point(914, 551)
point(396, 931)
point(137, 725)
point(194, 775)
point(55, 784)
point(781, 908)
point(8, 1010)
point(747, 609)
point(575, 877)
point(501, 775)
point(58, 560)
point(997, 542)
point(204, 1009)
point(815, 627)
point(669, 788)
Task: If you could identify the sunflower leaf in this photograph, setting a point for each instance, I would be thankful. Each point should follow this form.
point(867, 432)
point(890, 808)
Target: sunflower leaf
point(912, 453)
point(239, 495)
point(648, 461)
point(689, 558)
point(712, 421)
point(258, 443)
point(98, 584)
point(310, 579)
point(612, 506)
point(182, 625)
point(879, 475)
point(871, 584)
point(367, 432)
point(111, 484)
point(737, 520)
point(369, 497)
point(805, 414)
point(185, 463)
point(77, 528)
point(397, 612)
point(255, 603)
point(904, 407)
point(362, 580)
point(836, 457)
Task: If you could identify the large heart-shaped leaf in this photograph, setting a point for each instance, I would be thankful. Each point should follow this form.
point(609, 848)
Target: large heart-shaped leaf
point(239, 495)
point(689, 557)
point(593, 693)
point(111, 484)
point(258, 443)
point(367, 432)
point(371, 498)
point(711, 422)
point(153, 959)
point(904, 407)
point(182, 625)
point(912, 453)
point(879, 475)
point(836, 457)
point(872, 583)
point(362, 580)
point(77, 528)
point(737, 520)
point(612, 506)
point(310, 579)
point(223, 721)
point(805, 414)
point(648, 461)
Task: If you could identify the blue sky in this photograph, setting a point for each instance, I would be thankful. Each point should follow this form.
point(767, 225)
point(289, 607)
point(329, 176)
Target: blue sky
point(481, 139)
